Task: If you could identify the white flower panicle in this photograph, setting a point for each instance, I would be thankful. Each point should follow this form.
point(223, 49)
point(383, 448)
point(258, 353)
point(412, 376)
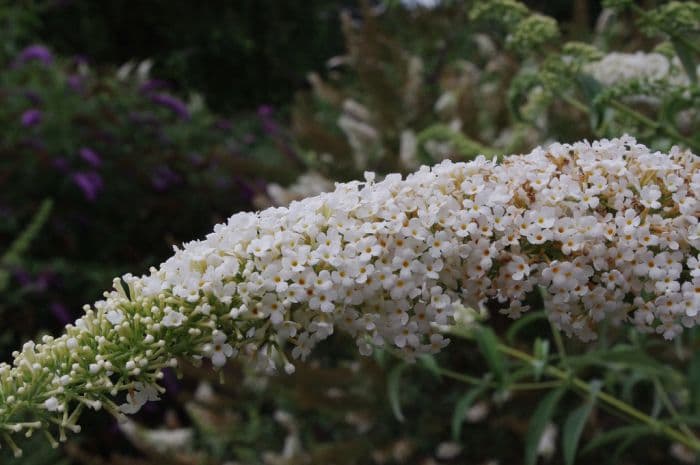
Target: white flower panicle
point(604, 231)
point(618, 68)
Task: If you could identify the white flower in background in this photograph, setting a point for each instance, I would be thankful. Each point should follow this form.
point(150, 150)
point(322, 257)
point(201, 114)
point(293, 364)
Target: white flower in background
point(390, 262)
point(306, 185)
point(548, 441)
point(412, 4)
point(618, 68)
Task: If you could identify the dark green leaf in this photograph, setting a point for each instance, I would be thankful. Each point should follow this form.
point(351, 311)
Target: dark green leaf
point(430, 364)
point(461, 408)
point(541, 353)
point(621, 433)
point(687, 59)
point(694, 382)
point(488, 344)
point(393, 388)
point(518, 325)
point(540, 418)
point(573, 427)
point(590, 88)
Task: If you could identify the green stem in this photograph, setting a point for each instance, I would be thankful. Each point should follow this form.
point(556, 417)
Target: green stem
point(670, 407)
point(640, 118)
point(473, 380)
point(688, 440)
point(669, 131)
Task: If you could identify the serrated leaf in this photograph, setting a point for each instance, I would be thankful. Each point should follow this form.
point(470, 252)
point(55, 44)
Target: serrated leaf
point(540, 418)
point(573, 427)
point(461, 408)
point(488, 345)
point(393, 390)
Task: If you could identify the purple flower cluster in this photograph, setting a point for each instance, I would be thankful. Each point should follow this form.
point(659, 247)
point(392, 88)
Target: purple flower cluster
point(173, 103)
point(35, 52)
point(89, 182)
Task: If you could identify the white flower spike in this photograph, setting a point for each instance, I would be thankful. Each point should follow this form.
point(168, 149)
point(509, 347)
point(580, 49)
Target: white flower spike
point(607, 230)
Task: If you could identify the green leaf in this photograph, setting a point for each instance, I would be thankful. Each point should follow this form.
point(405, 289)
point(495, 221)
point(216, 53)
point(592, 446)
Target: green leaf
point(590, 88)
point(393, 387)
point(687, 59)
point(694, 382)
point(430, 364)
point(487, 341)
point(461, 408)
point(541, 353)
point(540, 418)
point(623, 432)
point(573, 427)
point(518, 325)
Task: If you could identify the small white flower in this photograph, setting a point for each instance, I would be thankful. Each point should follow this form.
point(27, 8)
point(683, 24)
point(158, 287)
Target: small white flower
point(219, 350)
point(115, 317)
point(172, 319)
point(52, 405)
point(138, 396)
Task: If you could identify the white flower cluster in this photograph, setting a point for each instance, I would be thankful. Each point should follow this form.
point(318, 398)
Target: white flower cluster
point(607, 231)
point(618, 68)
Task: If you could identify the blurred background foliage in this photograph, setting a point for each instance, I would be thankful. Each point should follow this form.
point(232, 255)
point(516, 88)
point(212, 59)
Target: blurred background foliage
point(129, 127)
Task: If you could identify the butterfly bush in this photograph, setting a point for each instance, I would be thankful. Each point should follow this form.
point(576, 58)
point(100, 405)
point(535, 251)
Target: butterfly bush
point(605, 231)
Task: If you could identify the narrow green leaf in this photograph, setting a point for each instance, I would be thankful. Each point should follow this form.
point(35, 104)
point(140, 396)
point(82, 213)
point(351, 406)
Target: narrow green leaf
point(694, 382)
point(540, 418)
point(573, 427)
point(430, 364)
point(623, 432)
point(461, 408)
point(393, 388)
point(487, 341)
point(590, 88)
point(687, 59)
point(541, 353)
point(526, 320)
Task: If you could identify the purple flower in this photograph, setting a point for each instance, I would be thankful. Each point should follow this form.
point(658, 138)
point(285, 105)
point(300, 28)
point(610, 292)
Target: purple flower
point(60, 163)
point(223, 124)
point(90, 156)
point(164, 177)
point(75, 82)
point(173, 103)
point(265, 111)
point(23, 277)
point(151, 85)
point(35, 53)
point(33, 97)
point(61, 313)
point(31, 117)
point(90, 182)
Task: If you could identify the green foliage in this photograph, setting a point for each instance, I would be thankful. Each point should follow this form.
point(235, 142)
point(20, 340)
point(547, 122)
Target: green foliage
point(541, 416)
point(237, 55)
point(573, 427)
point(13, 255)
